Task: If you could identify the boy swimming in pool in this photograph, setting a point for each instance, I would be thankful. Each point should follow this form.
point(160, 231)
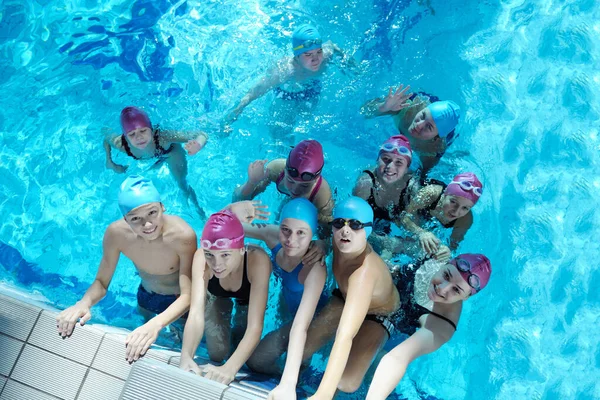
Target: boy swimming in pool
point(296, 81)
point(141, 141)
point(161, 247)
point(427, 122)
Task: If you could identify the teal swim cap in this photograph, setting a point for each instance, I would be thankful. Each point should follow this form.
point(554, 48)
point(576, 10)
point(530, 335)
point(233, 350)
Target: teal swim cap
point(355, 208)
point(445, 114)
point(136, 191)
point(303, 210)
point(306, 38)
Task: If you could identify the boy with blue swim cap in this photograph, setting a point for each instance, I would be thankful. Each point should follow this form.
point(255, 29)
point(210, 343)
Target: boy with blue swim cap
point(428, 122)
point(161, 247)
point(365, 295)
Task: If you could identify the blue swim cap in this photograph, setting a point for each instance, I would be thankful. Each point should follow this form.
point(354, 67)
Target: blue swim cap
point(136, 191)
point(306, 38)
point(445, 115)
point(355, 208)
point(303, 210)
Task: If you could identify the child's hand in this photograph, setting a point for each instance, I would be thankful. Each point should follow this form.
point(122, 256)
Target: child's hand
point(256, 171)
point(193, 146)
point(119, 169)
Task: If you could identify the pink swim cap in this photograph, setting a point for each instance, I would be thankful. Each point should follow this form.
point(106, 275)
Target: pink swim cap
point(398, 144)
point(465, 185)
point(223, 231)
point(307, 156)
point(475, 270)
point(133, 118)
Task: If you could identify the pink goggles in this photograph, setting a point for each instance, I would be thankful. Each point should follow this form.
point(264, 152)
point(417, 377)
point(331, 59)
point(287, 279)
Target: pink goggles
point(223, 243)
point(468, 186)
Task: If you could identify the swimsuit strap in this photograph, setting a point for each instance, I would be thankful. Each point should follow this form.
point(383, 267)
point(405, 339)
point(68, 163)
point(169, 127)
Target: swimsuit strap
point(126, 147)
point(448, 320)
point(315, 189)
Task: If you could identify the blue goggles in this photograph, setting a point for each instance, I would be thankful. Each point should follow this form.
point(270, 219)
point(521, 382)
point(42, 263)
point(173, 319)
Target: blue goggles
point(402, 150)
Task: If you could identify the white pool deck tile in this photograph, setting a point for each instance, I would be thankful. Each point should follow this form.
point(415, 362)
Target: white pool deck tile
point(99, 386)
point(9, 352)
point(17, 391)
point(17, 318)
point(81, 346)
point(243, 393)
point(110, 358)
point(48, 372)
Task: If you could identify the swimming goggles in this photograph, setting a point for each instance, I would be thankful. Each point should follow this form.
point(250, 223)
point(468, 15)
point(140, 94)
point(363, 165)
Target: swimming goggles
point(222, 243)
point(402, 150)
point(304, 176)
point(472, 279)
point(309, 43)
point(354, 224)
point(468, 187)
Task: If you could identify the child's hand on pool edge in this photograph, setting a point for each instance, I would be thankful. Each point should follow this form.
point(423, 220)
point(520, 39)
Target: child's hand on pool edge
point(139, 341)
point(283, 392)
point(66, 320)
point(189, 365)
point(220, 374)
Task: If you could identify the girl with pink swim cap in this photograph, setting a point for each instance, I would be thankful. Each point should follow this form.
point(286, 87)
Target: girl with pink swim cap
point(432, 295)
point(297, 176)
point(449, 205)
point(141, 141)
point(232, 273)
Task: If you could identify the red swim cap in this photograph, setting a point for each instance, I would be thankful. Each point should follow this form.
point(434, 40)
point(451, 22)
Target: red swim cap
point(133, 118)
point(465, 185)
point(307, 156)
point(223, 231)
point(398, 144)
point(475, 269)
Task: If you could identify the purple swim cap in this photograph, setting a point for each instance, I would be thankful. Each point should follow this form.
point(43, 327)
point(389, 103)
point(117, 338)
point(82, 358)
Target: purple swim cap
point(223, 231)
point(133, 118)
point(465, 185)
point(475, 269)
point(307, 156)
point(398, 144)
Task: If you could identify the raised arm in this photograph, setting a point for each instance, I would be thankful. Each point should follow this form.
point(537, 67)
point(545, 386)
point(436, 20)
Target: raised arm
point(66, 320)
point(268, 233)
point(194, 326)
point(393, 103)
point(194, 140)
point(393, 365)
point(259, 178)
point(360, 290)
point(313, 287)
point(424, 198)
point(142, 338)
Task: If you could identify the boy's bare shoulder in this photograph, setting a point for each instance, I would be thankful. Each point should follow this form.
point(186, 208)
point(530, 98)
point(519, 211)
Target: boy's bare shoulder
point(177, 230)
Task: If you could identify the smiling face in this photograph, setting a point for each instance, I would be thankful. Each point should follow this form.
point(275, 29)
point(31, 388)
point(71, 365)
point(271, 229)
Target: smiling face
point(349, 241)
point(224, 262)
point(455, 207)
point(448, 286)
point(147, 221)
point(311, 60)
point(423, 127)
point(391, 167)
point(139, 138)
point(295, 237)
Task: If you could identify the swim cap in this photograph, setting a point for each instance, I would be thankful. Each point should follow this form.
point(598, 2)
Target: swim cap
point(223, 231)
point(136, 191)
point(355, 208)
point(445, 114)
point(465, 185)
point(307, 156)
point(476, 264)
point(303, 210)
point(133, 118)
point(305, 38)
point(393, 143)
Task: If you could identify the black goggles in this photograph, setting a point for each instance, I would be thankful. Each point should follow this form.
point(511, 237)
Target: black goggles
point(354, 224)
point(472, 279)
point(304, 176)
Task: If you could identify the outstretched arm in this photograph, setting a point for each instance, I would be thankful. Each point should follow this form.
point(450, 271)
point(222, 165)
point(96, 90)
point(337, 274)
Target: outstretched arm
point(424, 198)
point(393, 103)
point(259, 178)
point(194, 140)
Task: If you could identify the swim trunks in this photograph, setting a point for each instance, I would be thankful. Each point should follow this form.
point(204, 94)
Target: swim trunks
point(384, 321)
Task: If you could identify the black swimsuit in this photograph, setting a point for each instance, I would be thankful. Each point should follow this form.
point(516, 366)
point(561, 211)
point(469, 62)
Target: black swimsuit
point(406, 320)
point(382, 216)
point(242, 295)
point(159, 151)
point(425, 213)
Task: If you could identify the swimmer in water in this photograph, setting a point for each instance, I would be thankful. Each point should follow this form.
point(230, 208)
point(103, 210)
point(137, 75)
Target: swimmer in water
point(298, 176)
point(450, 205)
point(357, 314)
point(302, 273)
point(161, 247)
point(233, 274)
point(141, 141)
point(432, 294)
point(428, 123)
point(295, 81)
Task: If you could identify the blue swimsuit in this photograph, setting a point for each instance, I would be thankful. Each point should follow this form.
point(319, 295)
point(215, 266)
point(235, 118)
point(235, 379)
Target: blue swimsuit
point(290, 285)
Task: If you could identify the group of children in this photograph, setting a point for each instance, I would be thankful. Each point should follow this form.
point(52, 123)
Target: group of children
point(373, 302)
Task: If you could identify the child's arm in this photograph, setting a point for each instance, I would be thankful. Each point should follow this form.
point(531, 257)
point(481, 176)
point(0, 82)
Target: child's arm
point(424, 198)
point(108, 143)
point(460, 229)
point(259, 178)
point(194, 140)
point(268, 233)
point(392, 104)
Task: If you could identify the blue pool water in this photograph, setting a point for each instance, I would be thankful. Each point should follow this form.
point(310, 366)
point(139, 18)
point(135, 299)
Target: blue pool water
point(525, 73)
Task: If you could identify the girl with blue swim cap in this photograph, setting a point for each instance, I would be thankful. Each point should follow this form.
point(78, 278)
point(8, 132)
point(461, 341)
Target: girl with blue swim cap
point(428, 123)
point(302, 278)
point(296, 81)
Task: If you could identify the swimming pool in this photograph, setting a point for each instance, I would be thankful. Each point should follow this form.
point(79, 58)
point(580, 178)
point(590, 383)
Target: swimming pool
point(524, 71)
